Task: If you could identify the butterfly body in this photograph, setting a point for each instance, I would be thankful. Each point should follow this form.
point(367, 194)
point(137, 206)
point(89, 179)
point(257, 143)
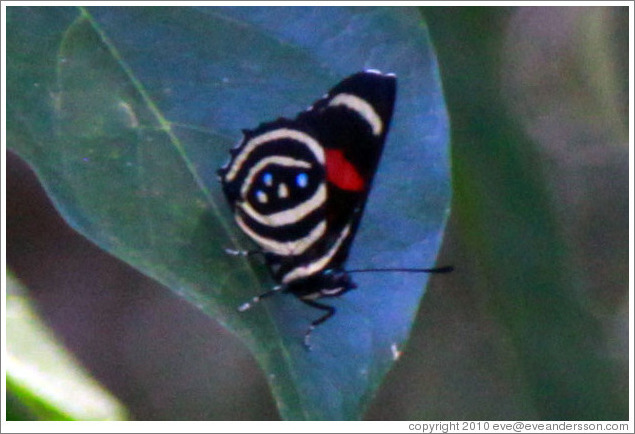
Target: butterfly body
point(298, 187)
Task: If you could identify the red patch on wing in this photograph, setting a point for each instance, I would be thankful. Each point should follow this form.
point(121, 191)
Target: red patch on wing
point(341, 172)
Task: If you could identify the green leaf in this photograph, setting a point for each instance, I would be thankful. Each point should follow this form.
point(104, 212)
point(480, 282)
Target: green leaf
point(44, 382)
point(126, 113)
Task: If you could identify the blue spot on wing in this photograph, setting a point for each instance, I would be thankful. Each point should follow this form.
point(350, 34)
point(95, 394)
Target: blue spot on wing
point(267, 178)
point(302, 180)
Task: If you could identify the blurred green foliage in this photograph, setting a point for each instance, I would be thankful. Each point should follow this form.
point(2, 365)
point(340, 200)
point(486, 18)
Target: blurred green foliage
point(44, 381)
point(509, 206)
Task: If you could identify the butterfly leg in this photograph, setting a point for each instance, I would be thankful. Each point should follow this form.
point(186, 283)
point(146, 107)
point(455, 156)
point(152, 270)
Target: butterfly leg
point(235, 252)
point(330, 311)
point(243, 307)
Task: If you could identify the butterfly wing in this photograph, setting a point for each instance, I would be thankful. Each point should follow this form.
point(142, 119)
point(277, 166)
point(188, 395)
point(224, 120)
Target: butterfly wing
point(298, 187)
point(351, 123)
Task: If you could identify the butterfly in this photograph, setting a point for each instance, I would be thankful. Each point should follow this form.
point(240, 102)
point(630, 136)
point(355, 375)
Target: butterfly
point(298, 187)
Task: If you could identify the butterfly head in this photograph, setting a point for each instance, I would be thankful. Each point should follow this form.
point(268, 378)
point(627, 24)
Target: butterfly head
point(330, 283)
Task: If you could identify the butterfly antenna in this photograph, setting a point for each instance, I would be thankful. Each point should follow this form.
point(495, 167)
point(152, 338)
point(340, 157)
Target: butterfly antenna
point(444, 269)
